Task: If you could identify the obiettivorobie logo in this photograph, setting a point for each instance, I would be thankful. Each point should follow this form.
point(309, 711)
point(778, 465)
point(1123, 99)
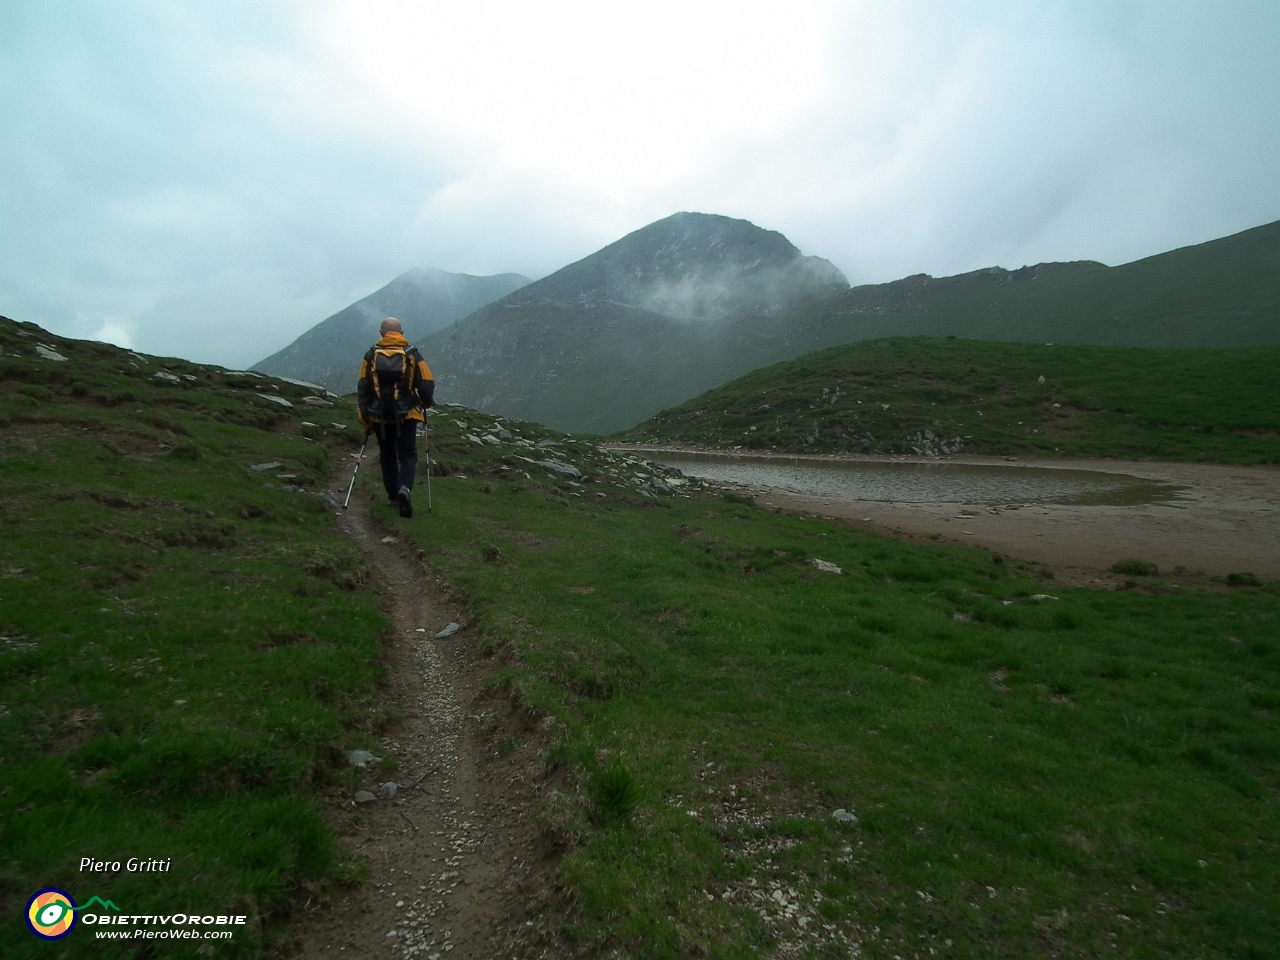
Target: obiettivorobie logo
point(52, 914)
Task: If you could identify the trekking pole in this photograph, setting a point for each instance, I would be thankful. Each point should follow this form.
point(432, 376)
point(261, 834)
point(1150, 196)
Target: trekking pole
point(352, 484)
point(426, 448)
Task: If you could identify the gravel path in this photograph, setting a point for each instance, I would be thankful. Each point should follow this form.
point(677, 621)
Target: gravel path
point(453, 864)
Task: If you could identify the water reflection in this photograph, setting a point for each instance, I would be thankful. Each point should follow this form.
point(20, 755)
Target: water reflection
point(923, 482)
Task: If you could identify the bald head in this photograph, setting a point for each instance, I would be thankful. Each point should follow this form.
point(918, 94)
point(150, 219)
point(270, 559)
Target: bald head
point(391, 325)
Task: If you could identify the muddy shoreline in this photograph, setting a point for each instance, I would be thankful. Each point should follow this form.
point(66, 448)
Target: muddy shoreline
point(1226, 521)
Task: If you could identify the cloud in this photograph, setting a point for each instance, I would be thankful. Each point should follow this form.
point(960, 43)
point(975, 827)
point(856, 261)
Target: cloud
point(212, 179)
point(220, 177)
point(999, 135)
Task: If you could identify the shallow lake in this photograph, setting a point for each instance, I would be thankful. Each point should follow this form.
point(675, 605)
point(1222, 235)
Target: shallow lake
point(915, 482)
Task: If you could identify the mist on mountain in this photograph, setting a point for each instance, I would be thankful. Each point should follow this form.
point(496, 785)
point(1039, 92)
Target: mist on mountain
point(572, 350)
point(425, 300)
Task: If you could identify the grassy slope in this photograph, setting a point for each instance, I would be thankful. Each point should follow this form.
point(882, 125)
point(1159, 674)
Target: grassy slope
point(1031, 777)
point(1221, 405)
point(186, 644)
point(1224, 293)
point(1053, 777)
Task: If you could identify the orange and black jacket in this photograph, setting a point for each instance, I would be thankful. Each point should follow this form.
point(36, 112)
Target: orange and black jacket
point(399, 400)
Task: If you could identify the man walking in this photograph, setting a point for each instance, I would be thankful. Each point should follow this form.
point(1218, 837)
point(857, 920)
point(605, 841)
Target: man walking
point(395, 387)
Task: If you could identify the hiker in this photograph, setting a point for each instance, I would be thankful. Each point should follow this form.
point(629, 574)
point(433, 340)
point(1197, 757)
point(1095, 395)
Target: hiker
point(395, 387)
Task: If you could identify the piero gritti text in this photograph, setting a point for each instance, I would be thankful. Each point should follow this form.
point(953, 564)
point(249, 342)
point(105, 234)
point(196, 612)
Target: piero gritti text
point(132, 865)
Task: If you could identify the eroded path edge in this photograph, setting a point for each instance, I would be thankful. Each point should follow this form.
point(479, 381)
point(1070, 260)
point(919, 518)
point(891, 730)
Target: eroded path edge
point(450, 854)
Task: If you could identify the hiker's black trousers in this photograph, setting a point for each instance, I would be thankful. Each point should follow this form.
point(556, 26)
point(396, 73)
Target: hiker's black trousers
point(398, 450)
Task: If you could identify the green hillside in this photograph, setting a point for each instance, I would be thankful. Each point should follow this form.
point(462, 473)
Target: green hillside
point(938, 396)
point(188, 643)
point(1224, 293)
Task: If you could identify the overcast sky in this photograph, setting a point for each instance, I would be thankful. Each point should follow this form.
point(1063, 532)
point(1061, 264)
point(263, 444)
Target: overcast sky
point(209, 180)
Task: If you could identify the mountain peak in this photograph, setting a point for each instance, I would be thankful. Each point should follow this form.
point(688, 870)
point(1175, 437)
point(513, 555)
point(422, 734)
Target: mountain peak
point(692, 266)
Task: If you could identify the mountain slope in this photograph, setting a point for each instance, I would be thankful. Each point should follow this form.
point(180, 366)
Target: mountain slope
point(1224, 293)
point(425, 301)
point(643, 323)
point(693, 301)
point(941, 396)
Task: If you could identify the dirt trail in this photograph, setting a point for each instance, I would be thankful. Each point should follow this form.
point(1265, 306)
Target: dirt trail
point(453, 862)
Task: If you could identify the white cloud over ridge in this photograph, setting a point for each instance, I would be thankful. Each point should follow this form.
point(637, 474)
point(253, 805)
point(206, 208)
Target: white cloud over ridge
point(211, 180)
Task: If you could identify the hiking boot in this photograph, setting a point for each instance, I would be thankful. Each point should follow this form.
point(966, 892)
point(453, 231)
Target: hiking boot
point(405, 501)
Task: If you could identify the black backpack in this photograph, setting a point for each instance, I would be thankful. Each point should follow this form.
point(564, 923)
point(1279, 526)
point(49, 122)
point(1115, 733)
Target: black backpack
point(392, 371)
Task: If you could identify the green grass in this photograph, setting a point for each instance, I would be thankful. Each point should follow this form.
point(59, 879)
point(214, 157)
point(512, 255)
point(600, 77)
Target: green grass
point(1089, 774)
point(947, 395)
point(187, 644)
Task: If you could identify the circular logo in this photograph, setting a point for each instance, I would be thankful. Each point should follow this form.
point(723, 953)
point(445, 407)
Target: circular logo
point(51, 913)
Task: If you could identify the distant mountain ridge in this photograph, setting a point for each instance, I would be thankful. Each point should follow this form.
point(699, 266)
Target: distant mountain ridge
point(695, 300)
point(576, 350)
point(425, 300)
point(1222, 293)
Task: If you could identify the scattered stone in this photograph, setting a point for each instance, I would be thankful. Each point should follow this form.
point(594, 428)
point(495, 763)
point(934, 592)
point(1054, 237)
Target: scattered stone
point(825, 566)
point(388, 790)
point(274, 399)
point(364, 796)
point(567, 469)
point(1040, 379)
point(315, 387)
point(316, 402)
point(48, 352)
point(448, 631)
point(167, 377)
point(358, 758)
point(390, 540)
point(844, 816)
point(259, 467)
point(1042, 596)
point(306, 423)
